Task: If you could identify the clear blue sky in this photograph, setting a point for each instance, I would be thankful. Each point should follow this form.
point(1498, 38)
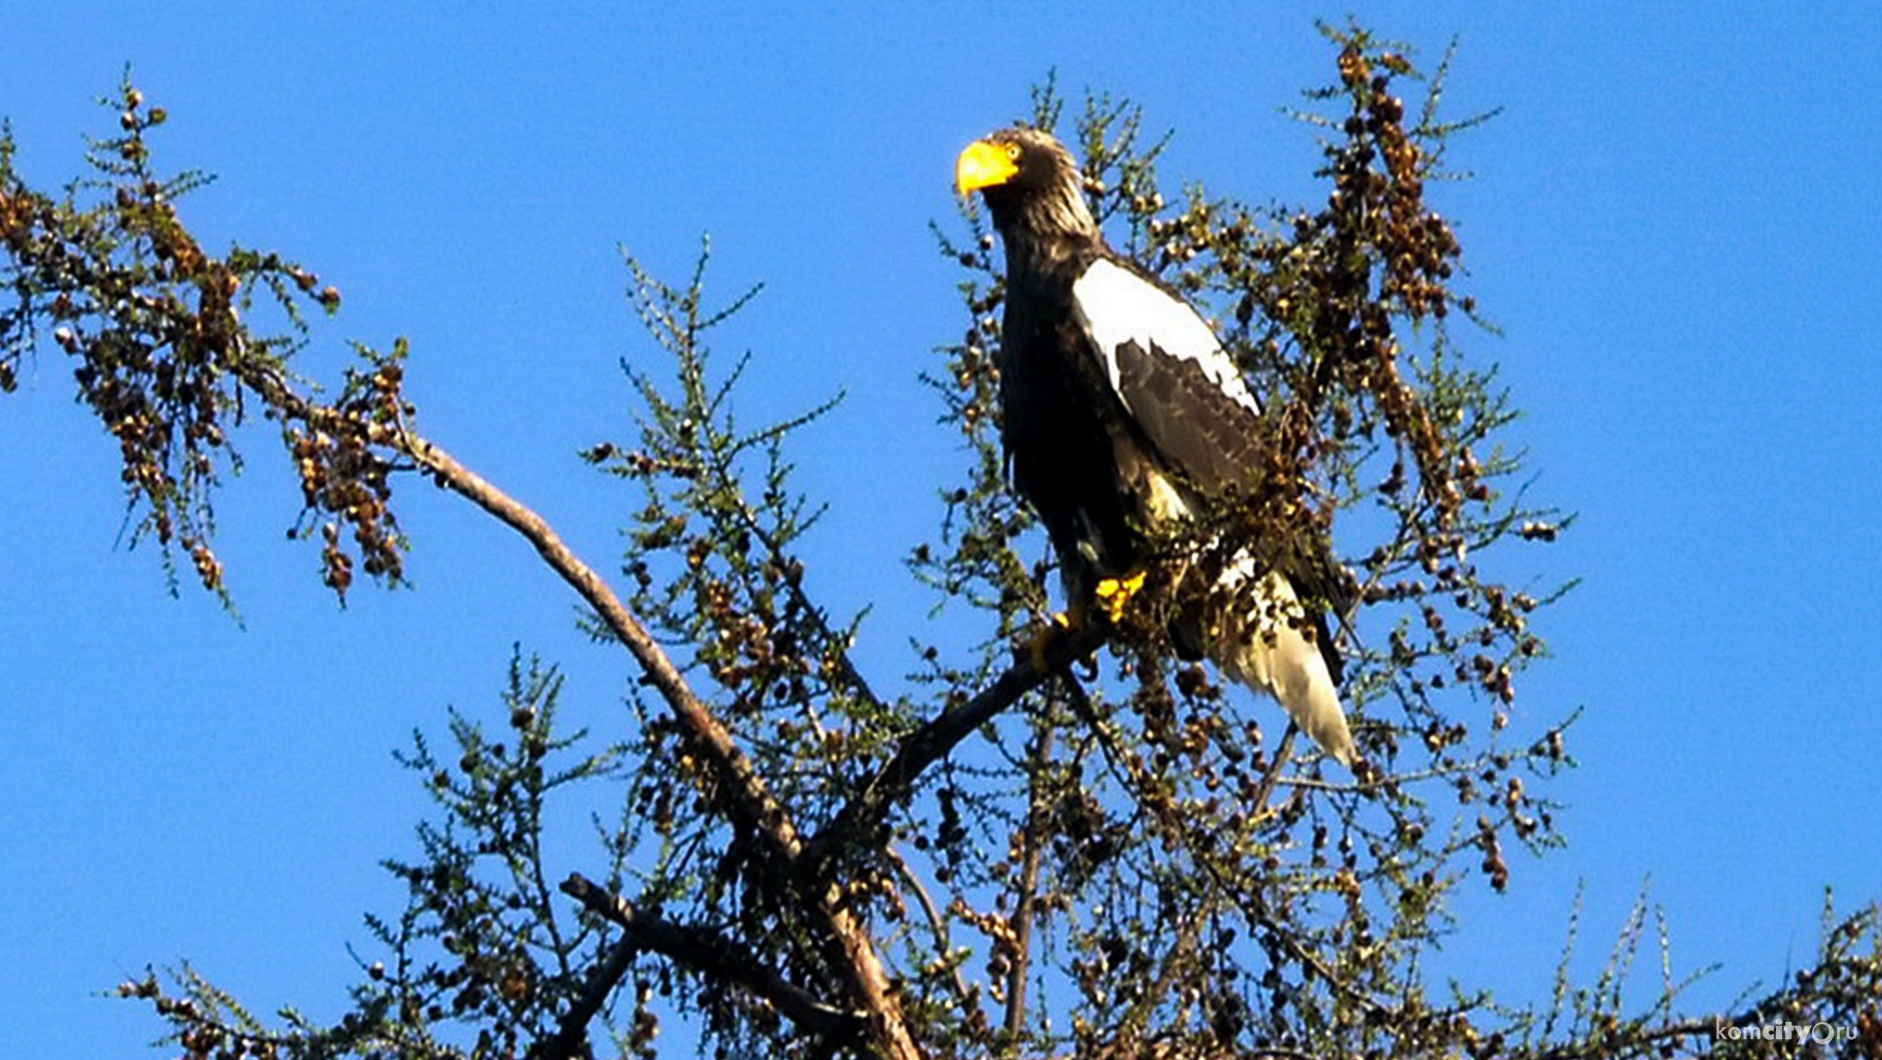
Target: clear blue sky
point(1675, 219)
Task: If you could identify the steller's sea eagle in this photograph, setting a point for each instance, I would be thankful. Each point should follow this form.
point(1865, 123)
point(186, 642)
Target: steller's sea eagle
point(1122, 416)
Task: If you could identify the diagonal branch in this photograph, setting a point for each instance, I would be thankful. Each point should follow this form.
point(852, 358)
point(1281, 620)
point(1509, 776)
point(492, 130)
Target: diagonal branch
point(937, 926)
point(572, 1030)
point(751, 806)
point(713, 955)
point(935, 739)
point(755, 806)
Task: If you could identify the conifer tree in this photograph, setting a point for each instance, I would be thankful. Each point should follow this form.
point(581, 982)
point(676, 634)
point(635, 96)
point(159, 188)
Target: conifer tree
point(1101, 853)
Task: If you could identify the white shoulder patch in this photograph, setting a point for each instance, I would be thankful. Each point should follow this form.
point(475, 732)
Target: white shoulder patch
point(1116, 306)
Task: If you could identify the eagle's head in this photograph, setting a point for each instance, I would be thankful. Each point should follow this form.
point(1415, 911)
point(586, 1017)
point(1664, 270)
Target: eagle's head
point(1031, 185)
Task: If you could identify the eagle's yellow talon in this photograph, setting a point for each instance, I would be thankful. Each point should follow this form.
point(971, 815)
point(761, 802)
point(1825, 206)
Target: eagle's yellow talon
point(1062, 622)
point(1116, 593)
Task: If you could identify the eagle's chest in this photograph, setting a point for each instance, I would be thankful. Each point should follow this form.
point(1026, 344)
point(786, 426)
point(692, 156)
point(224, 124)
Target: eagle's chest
point(1075, 455)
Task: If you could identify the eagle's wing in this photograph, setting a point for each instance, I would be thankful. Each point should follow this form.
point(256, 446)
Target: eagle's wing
point(1193, 406)
point(1171, 374)
point(1188, 396)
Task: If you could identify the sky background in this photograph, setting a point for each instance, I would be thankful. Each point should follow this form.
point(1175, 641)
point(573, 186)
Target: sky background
point(1675, 220)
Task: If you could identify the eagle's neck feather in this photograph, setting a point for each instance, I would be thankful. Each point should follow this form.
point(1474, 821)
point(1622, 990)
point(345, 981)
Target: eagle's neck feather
point(1050, 231)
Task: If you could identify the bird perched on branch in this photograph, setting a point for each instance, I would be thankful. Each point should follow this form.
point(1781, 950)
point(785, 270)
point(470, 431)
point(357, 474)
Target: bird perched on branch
point(1123, 418)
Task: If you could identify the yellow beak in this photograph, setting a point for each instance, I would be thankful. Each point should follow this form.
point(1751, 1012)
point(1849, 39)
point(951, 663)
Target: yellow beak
point(983, 165)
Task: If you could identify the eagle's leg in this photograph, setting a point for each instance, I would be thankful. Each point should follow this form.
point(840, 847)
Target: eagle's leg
point(1063, 622)
point(1110, 595)
point(1115, 593)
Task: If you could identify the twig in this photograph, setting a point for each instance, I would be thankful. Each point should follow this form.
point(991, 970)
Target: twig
point(937, 926)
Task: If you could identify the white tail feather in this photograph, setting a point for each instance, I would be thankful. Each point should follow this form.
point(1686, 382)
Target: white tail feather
point(1255, 635)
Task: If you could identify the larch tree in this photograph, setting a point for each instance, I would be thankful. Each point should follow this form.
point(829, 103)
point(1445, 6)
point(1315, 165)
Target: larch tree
point(1094, 851)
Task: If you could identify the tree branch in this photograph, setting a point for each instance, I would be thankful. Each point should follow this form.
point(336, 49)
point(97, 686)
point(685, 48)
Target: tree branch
point(713, 955)
point(572, 1030)
point(937, 926)
point(932, 742)
point(1025, 890)
point(755, 806)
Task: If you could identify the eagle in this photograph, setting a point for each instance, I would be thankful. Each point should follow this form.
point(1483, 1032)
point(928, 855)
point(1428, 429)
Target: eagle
point(1123, 419)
